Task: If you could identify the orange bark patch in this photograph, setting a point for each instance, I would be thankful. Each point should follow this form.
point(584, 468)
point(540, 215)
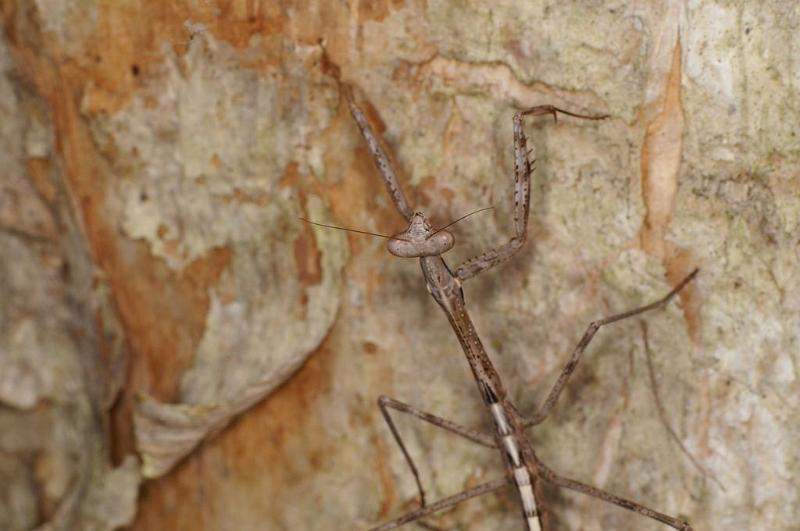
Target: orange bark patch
point(164, 315)
point(291, 176)
point(286, 421)
point(661, 157)
point(309, 268)
point(277, 443)
point(386, 478)
point(306, 255)
point(259, 199)
point(307, 258)
point(236, 21)
point(680, 263)
point(129, 37)
point(39, 173)
point(204, 272)
point(435, 201)
point(373, 10)
point(374, 118)
point(369, 347)
point(161, 231)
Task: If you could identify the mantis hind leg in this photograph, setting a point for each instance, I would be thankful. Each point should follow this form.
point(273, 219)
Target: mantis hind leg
point(385, 404)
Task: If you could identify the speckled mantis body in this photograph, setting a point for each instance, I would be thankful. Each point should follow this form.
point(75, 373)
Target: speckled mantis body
point(524, 470)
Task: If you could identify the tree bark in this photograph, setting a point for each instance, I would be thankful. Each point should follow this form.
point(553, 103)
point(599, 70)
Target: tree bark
point(179, 351)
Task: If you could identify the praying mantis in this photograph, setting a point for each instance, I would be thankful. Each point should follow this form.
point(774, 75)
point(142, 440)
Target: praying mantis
point(523, 469)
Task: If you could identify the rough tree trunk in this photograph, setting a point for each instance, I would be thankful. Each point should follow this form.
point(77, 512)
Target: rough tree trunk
point(178, 351)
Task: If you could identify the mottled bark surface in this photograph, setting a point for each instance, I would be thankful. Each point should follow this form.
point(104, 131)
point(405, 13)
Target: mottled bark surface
point(178, 351)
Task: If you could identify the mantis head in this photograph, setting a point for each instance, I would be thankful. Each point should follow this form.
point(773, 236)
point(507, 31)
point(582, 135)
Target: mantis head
point(420, 239)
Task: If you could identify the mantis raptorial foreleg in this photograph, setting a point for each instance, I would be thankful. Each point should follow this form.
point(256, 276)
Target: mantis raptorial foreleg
point(379, 157)
point(523, 168)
